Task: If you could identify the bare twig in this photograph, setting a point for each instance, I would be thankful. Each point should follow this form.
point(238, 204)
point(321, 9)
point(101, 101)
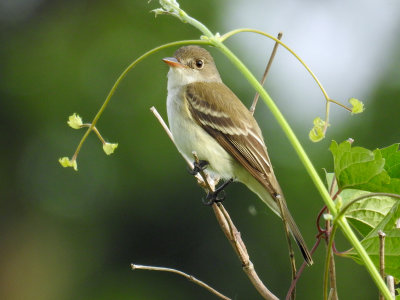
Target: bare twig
point(168, 132)
point(234, 237)
point(165, 126)
point(390, 284)
point(290, 247)
point(206, 184)
point(331, 293)
point(227, 226)
point(187, 276)
point(271, 58)
point(382, 236)
point(294, 282)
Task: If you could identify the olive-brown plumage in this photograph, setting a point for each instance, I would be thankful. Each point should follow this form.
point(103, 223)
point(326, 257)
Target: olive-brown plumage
point(207, 117)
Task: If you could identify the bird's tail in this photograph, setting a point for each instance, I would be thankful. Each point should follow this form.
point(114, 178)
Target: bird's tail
point(266, 197)
point(297, 235)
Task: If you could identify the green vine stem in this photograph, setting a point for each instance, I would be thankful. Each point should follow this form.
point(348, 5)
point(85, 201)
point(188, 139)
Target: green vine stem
point(309, 167)
point(121, 77)
point(236, 31)
point(171, 7)
point(327, 98)
point(327, 260)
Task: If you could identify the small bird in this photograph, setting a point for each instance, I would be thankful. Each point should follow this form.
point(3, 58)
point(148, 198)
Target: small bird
point(205, 116)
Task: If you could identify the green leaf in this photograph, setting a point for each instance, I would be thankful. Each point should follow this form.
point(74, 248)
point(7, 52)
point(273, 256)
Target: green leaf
point(329, 179)
point(366, 214)
point(362, 169)
point(392, 160)
point(392, 243)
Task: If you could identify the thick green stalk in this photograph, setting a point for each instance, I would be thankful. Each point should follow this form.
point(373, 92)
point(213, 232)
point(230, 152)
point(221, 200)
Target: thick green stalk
point(284, 125)
point(309, 167)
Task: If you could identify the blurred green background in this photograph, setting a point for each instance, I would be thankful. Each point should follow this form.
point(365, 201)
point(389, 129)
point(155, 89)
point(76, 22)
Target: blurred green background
point(73, 235)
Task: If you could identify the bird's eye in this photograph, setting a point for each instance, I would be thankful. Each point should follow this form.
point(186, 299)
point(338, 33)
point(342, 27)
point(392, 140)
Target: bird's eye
point(199, 63)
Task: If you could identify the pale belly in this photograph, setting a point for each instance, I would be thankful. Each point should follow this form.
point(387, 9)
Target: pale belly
point(189, 137)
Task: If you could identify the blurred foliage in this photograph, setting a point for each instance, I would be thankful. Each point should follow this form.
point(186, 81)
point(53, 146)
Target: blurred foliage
point(68, 235)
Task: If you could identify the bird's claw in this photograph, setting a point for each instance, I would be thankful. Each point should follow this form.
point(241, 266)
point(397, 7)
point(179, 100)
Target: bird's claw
point(214, 197)
point(198, 167)
point(218, 195)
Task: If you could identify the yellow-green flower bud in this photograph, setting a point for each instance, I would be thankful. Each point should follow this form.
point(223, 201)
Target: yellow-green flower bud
point(357, 106)
point(317, 132)
point(109, 147)
point(66, 162)
point(75, 121)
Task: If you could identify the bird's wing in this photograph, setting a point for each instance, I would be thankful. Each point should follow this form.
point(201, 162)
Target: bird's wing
point(240, 137)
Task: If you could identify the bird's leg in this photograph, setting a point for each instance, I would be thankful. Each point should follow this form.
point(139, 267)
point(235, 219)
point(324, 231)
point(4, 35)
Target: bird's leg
point(215, 196)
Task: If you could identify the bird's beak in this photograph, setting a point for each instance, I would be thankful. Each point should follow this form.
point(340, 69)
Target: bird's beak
point(173, 62)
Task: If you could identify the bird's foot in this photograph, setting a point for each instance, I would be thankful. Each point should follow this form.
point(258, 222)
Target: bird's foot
point(216, 196)
point(198, 167)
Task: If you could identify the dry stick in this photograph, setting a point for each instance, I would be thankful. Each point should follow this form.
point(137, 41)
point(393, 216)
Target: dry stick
point(294, 282)
point(271, 58)
point(390, 284)
point(234, 237)
point(331, 292)
point(286, 226)
point(168, 132)
point(382, 236)
point(187, 276)
point(291, 252)
point(227, 226)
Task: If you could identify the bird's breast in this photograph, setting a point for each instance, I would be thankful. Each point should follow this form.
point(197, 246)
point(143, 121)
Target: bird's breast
point(189, 136)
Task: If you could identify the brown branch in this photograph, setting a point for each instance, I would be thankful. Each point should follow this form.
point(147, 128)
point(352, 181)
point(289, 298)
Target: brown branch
point(227, 226)
point(234, 237)
point(271, 58)
point(187, 276)
point(290, 247)
point(294, 282)
point(390, 284)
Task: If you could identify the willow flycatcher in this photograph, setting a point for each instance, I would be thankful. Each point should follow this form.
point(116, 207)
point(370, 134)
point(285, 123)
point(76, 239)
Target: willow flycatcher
point(205, 116)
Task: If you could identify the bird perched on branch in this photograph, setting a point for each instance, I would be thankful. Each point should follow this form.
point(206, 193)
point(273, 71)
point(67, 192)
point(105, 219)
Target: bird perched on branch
point(207, 117)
